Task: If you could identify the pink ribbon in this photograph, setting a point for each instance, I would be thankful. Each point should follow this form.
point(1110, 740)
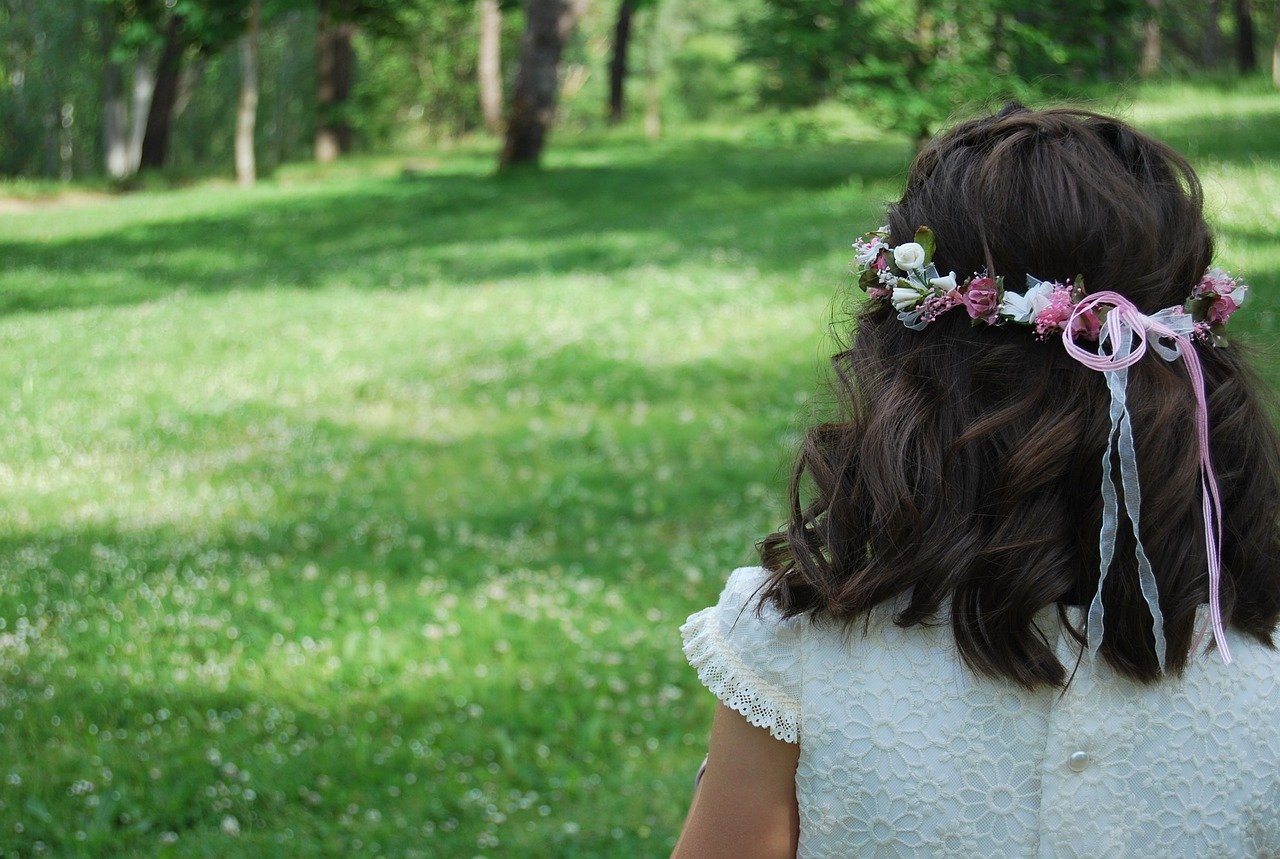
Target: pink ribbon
point(1123, 322)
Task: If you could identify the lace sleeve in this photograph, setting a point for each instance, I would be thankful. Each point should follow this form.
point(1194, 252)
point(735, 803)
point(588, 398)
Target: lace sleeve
point(750, 661)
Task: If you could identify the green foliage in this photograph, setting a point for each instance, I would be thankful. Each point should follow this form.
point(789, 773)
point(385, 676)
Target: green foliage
point(709, 77)
point(803, 47)
point(418, 83)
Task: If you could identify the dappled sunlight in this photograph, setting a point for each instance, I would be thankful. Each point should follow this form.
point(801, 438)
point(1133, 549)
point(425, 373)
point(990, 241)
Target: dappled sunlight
point(365, 506)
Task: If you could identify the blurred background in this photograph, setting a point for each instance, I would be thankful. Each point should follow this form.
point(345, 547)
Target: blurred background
point(385, 382)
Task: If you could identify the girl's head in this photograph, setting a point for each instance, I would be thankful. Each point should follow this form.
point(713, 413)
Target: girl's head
point(965, 467)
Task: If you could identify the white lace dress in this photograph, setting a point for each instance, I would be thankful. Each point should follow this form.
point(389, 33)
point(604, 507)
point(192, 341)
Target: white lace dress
point(905, 752)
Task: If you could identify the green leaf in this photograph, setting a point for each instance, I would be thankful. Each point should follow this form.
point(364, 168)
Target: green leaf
point(924, 237)
point(867, 278)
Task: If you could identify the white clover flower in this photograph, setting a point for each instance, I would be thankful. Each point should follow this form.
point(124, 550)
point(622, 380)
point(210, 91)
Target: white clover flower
point(909, 256)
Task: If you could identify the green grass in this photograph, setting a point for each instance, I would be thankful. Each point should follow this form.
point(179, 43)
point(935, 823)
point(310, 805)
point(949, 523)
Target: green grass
point(357, 513)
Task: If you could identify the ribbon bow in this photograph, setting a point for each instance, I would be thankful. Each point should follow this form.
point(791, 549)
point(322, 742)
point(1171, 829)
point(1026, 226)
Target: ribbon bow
point(1116, 353)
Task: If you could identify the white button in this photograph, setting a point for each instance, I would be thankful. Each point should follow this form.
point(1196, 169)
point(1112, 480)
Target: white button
point(1078, 761)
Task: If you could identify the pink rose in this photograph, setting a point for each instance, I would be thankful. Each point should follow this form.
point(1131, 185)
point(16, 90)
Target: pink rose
point(880, 263)
point(878, 292)
point(981, 298)
point(1221, 309)
point(1087, 325)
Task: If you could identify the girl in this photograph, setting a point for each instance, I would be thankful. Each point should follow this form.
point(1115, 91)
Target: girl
point(1025, 599)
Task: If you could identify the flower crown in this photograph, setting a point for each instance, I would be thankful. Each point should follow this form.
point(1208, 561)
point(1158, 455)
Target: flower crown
point(907, 277)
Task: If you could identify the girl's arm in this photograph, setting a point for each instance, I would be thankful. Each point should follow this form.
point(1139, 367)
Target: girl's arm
point(745, 806)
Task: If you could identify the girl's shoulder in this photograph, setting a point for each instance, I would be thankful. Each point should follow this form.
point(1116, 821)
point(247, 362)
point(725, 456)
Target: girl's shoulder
point(748, 655)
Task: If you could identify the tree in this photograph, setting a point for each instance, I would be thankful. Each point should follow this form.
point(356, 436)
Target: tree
point(1151, 41)
point(336, 25)
point(1246, 54)
point(1275, 52)
point(247, 112)
point(618, 62)
point(1212, 36)
point(548, 24)
point(182, 27)
point(335, 68)
point(489, 64)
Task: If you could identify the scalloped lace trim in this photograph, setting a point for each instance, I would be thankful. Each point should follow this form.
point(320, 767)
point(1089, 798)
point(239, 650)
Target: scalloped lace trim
point(734, 683)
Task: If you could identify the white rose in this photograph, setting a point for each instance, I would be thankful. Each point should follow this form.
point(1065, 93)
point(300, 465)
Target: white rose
point(946, 284)
point(909, 257)
point(905, 298)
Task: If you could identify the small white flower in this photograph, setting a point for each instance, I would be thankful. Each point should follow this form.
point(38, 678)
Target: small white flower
point(867, 253)
point(946, 284)
point(905, 298)
point(1015, 306)
point(909, 256)
point(1238, 294)
point(1024, 308)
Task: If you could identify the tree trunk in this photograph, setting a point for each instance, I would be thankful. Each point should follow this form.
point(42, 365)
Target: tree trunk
point(1000, 43)
point(548, 24)
point(1246, 55)
point(155, 141)
point(1212, 35)
point(335, 65)
point(144, 85)
point(1151, 42)
point(489, 65)
point(618, 64)
point(326, 91)
point(188, 82)
point(652, 67)
point(247, 114)
point(1275, 62)
point(115, 121)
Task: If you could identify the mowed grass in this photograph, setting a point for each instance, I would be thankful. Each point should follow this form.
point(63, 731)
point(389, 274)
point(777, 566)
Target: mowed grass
point(356, 514)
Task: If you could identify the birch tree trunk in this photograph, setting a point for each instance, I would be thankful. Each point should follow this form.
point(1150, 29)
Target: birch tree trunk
point(489, 65)
point(1151, 41)
point(247, 114)
point(548, 24)
point(144, 85)
point(115, 121)
point(652, 70)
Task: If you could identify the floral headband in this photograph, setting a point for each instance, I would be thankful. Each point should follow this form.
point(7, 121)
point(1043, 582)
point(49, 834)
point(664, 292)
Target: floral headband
point(906, 276)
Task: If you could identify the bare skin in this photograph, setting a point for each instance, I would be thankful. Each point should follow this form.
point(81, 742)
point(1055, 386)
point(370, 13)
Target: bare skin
point(745, 806)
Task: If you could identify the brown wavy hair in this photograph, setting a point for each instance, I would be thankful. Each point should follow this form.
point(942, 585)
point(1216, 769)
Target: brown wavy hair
point(965, 463)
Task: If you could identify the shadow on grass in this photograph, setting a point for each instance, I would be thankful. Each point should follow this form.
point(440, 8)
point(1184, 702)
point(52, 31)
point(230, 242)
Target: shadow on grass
point(465, 229)
point(1247, 139)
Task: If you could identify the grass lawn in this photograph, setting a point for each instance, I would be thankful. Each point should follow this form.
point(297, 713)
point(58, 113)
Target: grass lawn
point(357, 513)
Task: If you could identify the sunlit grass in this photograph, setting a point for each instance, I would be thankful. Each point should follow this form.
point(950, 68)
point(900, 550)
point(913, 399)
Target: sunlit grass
point(357, 513)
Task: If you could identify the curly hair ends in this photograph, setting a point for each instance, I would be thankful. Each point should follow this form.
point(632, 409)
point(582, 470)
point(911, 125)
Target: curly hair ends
point(966, 461)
